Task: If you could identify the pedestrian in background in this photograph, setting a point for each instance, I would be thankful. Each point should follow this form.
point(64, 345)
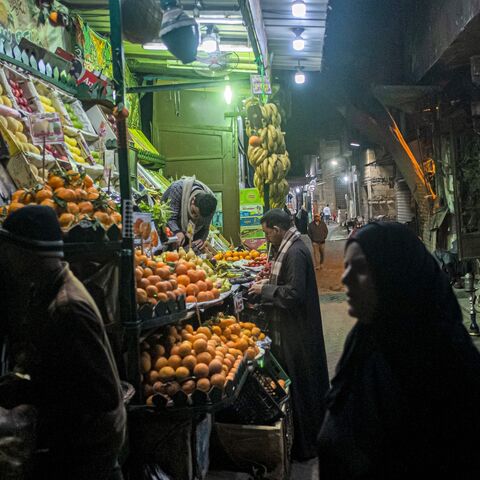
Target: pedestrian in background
point(404, 401)
point(301, 222)
point(290, 300)
point(318, 233)
point(327, 213)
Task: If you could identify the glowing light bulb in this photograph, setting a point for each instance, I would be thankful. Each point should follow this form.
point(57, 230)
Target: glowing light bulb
point(299, 9)
point(299, 77)
point(228, 94)
point(298, 44)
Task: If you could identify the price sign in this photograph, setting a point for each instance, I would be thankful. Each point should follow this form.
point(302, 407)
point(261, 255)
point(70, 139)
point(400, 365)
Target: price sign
point(260, 85)
point(46, 128)
point(238, 302)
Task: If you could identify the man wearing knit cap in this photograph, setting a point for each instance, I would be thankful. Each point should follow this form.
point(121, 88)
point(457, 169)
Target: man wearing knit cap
point(66, 353)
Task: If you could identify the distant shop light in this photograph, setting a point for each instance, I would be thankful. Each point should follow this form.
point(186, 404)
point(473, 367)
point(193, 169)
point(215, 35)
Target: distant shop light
point(345, 179)
point(355, 144)
point(298, 190)
point(299, 9)
point(334, 162)
point(298, 43)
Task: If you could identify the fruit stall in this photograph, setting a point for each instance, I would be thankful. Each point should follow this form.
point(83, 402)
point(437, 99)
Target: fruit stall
point(184, 337)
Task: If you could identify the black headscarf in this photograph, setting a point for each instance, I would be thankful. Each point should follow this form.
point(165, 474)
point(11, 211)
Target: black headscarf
point(418, 343)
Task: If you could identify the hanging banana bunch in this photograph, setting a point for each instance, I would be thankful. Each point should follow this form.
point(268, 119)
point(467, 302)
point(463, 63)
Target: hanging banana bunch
point(267, 154)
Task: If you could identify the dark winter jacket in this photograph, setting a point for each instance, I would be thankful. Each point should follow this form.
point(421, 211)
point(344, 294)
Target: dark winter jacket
point(318, 233)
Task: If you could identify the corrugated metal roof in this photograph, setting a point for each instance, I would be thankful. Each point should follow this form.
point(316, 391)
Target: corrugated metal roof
point(161, 62)
point(279, 22)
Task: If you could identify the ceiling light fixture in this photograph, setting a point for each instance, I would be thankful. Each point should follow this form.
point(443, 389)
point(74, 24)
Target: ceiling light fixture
point(219, 20)
point(299, 9)
point(178, 31)
point(211, 41)
point(298, 42)
point(158, 45)
point(299, 75)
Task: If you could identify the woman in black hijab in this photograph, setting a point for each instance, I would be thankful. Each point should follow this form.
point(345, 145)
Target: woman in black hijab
point(404, 401)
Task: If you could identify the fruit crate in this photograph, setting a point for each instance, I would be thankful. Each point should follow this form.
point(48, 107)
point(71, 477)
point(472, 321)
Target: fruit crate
point(182, 404)
point(52, 102)
point(69, 108)
point(23, 91)
point(269, 364)
point(82, 122)
point(260, 401)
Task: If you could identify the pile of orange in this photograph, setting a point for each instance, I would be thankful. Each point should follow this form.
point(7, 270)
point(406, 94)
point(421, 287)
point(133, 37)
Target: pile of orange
point(160, 282)
point(73, 196)
point(234, 256)
point(187, 359)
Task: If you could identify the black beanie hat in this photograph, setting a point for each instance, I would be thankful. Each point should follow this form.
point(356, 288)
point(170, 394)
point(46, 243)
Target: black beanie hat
point(34, 228)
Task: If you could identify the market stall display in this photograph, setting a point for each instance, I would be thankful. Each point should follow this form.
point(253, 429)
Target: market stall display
point(181, 360)
point(180, 336)
point(174, 274)
point(267, 154)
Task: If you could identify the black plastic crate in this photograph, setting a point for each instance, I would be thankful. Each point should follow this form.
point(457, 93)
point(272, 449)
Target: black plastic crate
point(259, 402)
point(270, 366)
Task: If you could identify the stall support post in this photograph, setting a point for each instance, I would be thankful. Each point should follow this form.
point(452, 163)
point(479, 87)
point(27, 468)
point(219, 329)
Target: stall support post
point(474, 329)
point(127, 279)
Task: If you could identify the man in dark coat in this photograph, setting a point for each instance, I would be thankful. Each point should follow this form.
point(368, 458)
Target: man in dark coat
point(65, 351)
point(290, 298)
point(318, 233)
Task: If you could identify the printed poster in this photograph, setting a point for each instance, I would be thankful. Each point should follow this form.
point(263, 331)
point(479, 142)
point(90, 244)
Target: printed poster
point(251, 212)
point(20, 19)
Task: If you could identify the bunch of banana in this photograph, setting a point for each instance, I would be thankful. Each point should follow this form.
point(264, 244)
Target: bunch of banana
point(269, 157)
point(271, 115)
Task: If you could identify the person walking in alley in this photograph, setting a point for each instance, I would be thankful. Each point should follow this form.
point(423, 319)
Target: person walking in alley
point(291, 303)
point(327, 213)
point(318, 232)
point(404, 398)
point(64, 350)
point(301, 222)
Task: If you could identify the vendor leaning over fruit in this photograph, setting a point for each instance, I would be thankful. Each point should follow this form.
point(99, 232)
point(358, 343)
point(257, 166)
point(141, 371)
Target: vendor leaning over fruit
point(290, 300)
point(193, 204)
point(65, 352)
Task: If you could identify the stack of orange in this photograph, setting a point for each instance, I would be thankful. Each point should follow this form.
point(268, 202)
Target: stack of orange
point(159, 282)
point(234, 256)
point(73, 197)
point(187, 359)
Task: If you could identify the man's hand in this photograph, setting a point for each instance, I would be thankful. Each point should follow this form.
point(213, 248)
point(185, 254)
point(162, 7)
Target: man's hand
point(198, 244)
point(180, 239)
point(256, 288)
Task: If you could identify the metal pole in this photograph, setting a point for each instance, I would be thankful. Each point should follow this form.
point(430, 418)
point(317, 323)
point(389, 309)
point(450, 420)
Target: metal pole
point(473, 330)
point(127, 279)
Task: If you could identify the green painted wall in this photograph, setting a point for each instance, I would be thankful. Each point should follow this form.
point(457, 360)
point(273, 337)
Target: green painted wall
point(189, 129)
